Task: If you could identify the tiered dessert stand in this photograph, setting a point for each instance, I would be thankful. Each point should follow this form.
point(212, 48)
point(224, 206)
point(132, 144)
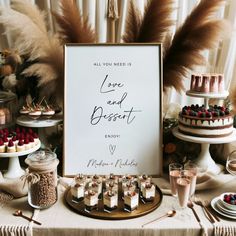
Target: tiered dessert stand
point(204, 160)
point(14, 168)
point(40, 123)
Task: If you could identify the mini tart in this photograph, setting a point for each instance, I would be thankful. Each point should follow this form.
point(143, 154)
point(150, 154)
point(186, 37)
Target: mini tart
point(20, 146)
point(35, 114)
point(110, 200)
point(11, 147)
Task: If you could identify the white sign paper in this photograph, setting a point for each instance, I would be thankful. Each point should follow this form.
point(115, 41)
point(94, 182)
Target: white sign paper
point(112, 109)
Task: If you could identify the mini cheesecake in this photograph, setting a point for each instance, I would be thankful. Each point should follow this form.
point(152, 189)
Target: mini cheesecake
point(11, 146)
point(131, 200)
point(110, 200)
point(5, 140)
point(148, 192)
point(31, 142)
point(91, 200)
point(2, 146)
point(36, 138)
point(77, 192)
point(27, 144)
point(14, 140)
point(48, 112)
point(20, 147)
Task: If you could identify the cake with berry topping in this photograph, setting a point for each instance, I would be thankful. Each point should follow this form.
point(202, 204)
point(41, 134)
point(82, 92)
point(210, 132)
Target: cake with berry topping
point(11, 146)
point(198, 121)
point(20, 146)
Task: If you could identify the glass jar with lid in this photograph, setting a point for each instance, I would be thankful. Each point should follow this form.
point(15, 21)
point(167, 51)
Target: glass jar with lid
point(42, 178)
point(8, 105)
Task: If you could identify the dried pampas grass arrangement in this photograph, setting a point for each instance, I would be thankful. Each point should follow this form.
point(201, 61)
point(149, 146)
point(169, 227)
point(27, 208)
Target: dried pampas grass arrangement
point(73, 28)
point(182, 51)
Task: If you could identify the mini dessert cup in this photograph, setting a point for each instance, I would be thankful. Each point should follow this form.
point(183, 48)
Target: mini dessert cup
point(111, 185)
point(143, 179)
point(97, 187)
point(131, 200)
point(129, 186)
point(91, 200)
point(148, 192)
point(77, 191)
point(80, 179)
point(110, 200)
point(113, 178)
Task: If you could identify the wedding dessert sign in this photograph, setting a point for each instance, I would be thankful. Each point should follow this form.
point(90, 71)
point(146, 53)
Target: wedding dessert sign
point(113, 109)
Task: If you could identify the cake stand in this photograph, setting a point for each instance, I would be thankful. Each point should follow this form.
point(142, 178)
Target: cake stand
point(40, 123)
point(204, 160)
point(207, 96)
point(14, 168)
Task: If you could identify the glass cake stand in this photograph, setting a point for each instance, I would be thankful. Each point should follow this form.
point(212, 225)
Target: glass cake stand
point(14, 168)
point(204, 160)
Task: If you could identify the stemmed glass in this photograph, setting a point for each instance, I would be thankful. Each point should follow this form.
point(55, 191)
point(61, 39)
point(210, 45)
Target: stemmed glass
point(174, 173)
point(231, 163)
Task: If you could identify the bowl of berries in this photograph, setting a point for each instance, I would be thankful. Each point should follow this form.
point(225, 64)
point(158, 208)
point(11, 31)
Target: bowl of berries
point(228, 200)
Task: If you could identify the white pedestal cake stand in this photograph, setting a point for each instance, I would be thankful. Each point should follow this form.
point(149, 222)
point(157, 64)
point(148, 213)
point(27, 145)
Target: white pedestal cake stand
point(204, 160)
point(14, 168)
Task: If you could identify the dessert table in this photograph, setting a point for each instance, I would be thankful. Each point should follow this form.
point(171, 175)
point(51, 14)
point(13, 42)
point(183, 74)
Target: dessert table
point(61, 220)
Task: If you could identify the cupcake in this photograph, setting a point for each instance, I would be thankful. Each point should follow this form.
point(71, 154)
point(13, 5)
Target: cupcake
point(2, 146)
point(20, 147)
point(110, 200)
point(11, 146)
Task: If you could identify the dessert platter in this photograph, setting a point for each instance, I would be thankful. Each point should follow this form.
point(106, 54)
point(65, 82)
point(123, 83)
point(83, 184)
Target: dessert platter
point(16, 143)
point(39, 115)
point(113, 197)
point(206, 124)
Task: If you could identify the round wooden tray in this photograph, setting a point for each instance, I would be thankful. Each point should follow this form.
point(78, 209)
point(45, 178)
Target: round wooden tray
point(117, 214)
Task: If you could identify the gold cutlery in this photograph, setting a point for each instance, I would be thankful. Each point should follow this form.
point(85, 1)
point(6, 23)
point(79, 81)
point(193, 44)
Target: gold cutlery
point(20, 213)
point(191, 206)
point(168, 214)
point(208, 213)
point(212, 212)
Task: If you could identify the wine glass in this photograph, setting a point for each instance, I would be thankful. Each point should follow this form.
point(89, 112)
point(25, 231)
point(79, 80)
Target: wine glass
point(231, 163)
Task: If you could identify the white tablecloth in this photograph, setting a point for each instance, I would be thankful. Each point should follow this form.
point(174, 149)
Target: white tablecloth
point(61, 220)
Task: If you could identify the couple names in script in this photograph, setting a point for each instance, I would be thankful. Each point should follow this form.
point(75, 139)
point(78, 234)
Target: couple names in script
point(99, 114)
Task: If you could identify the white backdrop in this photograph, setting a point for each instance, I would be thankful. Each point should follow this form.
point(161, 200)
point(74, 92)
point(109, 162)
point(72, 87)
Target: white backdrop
point(222, 59)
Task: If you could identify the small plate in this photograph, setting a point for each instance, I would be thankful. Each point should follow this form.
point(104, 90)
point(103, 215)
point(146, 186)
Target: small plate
point(225, 210)
point(217, 209)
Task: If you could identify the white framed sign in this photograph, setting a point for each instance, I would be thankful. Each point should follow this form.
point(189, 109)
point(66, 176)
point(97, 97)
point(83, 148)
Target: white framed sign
point(113, 109)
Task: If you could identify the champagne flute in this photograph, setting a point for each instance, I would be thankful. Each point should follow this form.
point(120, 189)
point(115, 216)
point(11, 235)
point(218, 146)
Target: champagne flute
point(191, 172)
point(174, 174)
point(231, 163)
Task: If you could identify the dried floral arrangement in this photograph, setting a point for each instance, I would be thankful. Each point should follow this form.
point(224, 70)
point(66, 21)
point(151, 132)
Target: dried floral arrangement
point(43, 51)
